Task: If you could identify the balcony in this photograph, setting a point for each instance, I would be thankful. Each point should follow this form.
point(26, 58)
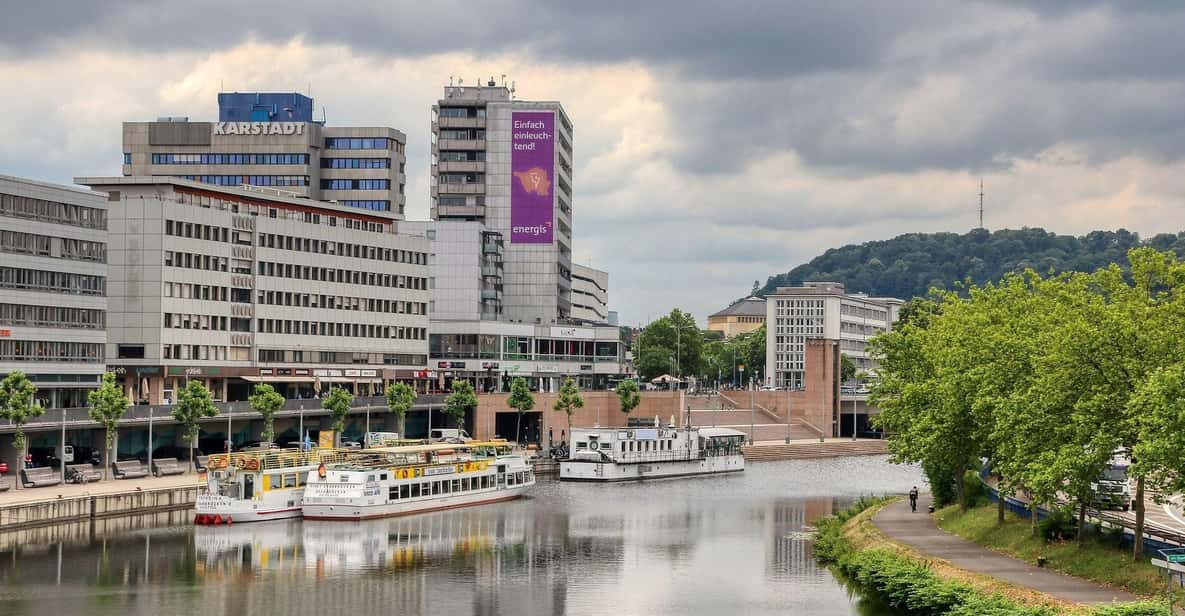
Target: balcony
point(459, 144)
point(448, 122)
point(492, 248)
point(491, 294)
point(459, 189)
point(460, 211)
point(491, 271)
point(460, 166)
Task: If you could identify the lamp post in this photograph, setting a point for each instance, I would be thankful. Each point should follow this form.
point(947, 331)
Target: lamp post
point(62, 457)
point(150, 439)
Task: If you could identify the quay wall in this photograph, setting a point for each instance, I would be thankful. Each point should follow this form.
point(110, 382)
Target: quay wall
point(18, 516)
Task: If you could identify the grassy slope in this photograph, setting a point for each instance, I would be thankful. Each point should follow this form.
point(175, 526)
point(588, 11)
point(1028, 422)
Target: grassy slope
point(1095, 560)
point(863, 534)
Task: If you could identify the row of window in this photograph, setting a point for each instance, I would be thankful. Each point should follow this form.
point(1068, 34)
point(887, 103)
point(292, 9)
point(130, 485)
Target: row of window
point(207, 322)
point(254, 209)
point(340, 302)
point(52, 211)
point(378, 205)
point(206, 352)
point(348, 184)
point(360, 143)
point(329, 274)
point(198, 261)
point(453, 486)
point(463, 134)
point(461, 200)
point(41, 350)
point(52, 316)
point(462, 178)
point(342, 249)
point(355, 163)
point(462, 156)
point(17, 242)
point(230, 159)
point(341, 357)
point(253, 180)
point(338, 330)
point(206, 232)
point(213, 293)
point(52, 282)
point(462, 112)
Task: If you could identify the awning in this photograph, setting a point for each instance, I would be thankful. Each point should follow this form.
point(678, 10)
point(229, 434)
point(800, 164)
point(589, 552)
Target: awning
point(349, 379)
point(278, 379)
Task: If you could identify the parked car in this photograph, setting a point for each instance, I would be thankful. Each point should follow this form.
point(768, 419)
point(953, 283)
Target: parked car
point(256, 446)
point(3, 468)
point(449, 435)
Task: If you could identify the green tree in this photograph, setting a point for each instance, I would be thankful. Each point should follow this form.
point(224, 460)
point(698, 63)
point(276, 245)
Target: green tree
point(627, 394)
point(522, 401)
point(18, 405)
point(569, 400)
point(107, 406)
point(194, 403)
point(460, 401)
point(847, 369)
point(338, 404)
point(673, 342)
point(400, 398)
point(266, 401)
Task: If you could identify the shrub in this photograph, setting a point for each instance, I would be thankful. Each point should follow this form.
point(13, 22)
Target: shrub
point(976, 492)
point(1059, 525)
point(942, 484)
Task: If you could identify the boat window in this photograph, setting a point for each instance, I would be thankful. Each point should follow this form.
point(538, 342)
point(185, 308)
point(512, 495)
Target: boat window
point(415, 490)
point(405, 491)
point(581, 445)
point(383, 476)
point(456, 485)
point(445, 488)
point(290, 481)
point(393, 493)
point(435, 487)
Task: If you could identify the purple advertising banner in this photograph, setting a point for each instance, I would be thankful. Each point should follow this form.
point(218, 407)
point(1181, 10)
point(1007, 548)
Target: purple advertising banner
point(532, 182)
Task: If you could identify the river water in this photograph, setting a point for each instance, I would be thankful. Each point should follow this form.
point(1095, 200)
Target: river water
point(726, 546)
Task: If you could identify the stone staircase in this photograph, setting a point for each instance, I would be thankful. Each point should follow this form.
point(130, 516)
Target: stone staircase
point(807, 449)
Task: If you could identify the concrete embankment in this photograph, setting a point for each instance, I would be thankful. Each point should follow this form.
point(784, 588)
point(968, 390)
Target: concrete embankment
point(810, 449)
point(66, 504)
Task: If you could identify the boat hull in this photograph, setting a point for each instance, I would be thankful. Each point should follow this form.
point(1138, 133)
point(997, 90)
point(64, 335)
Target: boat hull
point(209, 506)
point(386, 510)
point(605, 472)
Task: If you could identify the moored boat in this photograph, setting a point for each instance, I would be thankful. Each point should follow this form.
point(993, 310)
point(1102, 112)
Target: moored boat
point(630, 454)
point(258, 485)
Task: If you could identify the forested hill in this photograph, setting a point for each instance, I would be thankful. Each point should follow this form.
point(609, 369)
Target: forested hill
point(908, 265)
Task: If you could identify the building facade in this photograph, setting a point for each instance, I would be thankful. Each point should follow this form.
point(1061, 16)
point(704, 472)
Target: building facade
point(821, 310)
point(507, 163)
point(236, 286)
point(271, 139)
point(53, 283)
point(742, 317)
point(590, 294)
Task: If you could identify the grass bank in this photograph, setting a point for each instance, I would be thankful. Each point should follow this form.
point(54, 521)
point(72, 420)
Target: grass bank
point(906, 580)
point(1100, 559)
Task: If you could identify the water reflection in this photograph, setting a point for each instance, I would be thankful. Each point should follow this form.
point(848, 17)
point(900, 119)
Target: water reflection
point(704, 546)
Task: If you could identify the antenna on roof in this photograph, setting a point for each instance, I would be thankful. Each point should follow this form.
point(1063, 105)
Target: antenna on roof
point(450, 80)
point(980, 203)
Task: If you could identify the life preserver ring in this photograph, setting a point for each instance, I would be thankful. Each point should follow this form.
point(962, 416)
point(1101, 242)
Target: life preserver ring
point(252, 464)
point(593, 445)
point(321, 470)
point(219, 462)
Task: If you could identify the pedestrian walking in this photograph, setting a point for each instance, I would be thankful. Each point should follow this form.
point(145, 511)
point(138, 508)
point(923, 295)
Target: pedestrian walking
point(913, 499)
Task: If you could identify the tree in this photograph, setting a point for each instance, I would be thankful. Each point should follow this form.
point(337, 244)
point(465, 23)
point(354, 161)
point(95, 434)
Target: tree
point(847, 369)
point(266, 401)
point(569, 400)
point(672, 344)
point(338, 404)
point(18, 405)
point(627, 394)
point(400, 398)
point(522, 401)
point(107, 406)
point(458, 403)
point(194, 403)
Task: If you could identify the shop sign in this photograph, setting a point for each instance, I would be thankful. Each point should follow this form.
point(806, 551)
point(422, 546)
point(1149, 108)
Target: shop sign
point(572, 332)
point(438, 470)
point(327, 373)
point(450, 365)
point(302, 372)
point(366, 373)
point(489, 365)
point(586, 366)
point(193, 371)
point(350, 372)
point(137, 370)
point(259, 128)
point(5, 333)
point(265, 372)
point(547, 368)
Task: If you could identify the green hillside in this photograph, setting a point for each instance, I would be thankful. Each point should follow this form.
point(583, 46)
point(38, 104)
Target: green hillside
point(908, 265)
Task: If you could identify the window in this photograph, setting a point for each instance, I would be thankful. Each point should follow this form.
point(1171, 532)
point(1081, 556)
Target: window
point(53, 211)
point(347, 184)
point(355, 163)
point(355, 143)
point(127, 158)
point(130, 351)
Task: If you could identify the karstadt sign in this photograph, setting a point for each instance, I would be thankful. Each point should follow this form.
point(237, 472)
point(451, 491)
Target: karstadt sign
point(259, 128)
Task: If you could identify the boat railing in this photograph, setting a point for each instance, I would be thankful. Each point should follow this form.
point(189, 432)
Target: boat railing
point(642, 457)
point(271, 459)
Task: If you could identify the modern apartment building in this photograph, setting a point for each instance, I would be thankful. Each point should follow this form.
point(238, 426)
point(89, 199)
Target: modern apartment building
point(821, 310)
point(507, 163)
point(53, 281)
point(467, 269)
point(240, 285)
point(590, 294)
point(271, 139)
point(741, 317)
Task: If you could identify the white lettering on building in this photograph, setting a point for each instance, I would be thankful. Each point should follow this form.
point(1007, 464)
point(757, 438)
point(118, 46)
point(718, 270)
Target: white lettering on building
point(259, 128)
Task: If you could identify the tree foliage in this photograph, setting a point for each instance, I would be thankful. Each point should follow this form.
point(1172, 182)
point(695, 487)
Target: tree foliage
point(909, 265)
point(671, 345)
point(723, 358)
point(338, 404)
point(266, 401)
point(194, 403)
point(460, 401)
point(107, 406)
point(522, 401)
point(569, 400)
point(18, 404)
point(627, 394)
point(400, 398)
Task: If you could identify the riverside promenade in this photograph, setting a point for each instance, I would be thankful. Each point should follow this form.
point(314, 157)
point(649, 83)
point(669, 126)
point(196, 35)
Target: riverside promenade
point(919, 531)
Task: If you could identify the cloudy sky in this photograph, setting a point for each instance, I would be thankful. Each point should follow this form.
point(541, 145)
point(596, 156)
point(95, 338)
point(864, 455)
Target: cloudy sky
point(716, 143)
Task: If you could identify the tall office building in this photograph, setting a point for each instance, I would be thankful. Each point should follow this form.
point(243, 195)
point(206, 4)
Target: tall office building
point(825, 310)
point(241, 285)
point(271, 139)
point(590, 294)
point(507, 163)
point(53, 281)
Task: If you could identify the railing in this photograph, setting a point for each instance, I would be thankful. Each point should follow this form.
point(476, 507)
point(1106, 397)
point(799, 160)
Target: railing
point(277, 458)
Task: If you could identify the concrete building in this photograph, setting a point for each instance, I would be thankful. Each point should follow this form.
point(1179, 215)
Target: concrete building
point(241, 285)
point(507, 163)
point(741, 317)
point(821, 310)
point(466, 267)
point(590, 294)
point(53, 282)
point(271, 139)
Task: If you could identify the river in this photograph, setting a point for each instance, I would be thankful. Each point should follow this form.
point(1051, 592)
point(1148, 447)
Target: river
point(725, 546)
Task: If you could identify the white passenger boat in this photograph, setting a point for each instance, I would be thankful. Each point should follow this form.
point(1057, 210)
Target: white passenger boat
point(628, 454)
point(415, 479)
point(259, 485)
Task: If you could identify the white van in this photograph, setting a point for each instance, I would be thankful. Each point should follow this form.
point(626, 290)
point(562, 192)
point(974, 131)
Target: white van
point(448, 435)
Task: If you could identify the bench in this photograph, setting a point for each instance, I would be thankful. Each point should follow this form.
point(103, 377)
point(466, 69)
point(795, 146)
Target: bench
point(40, 477)
point(201, 464)
point(5, 484)
point(86, 472)
point(129, 469)
point(166, 466)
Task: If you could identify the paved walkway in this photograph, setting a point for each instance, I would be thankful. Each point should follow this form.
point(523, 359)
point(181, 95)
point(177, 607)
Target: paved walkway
point(919, 531)
point(67, 490)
